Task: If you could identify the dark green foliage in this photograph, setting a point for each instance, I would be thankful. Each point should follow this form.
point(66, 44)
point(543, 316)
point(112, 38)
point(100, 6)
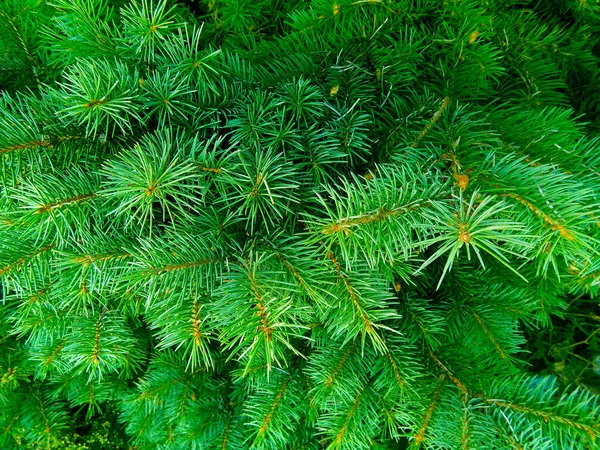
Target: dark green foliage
point(305, 224)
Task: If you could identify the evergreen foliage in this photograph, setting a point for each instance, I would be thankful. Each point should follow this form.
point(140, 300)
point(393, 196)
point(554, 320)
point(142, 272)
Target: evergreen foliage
point(300, 224)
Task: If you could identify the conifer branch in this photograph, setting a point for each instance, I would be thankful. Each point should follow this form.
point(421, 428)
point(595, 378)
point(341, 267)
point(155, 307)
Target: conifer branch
point(24, 46)
point(552, 223)
point(592, 432)
point(432, 122)
point(355, 300)
point(54, 353)
point(342, 432)
point(47, 427)
point(86, 260)
point(465, 432)
point(331, 377)
point(267, 420)
point(299, 225)
point(419, 437)
point(294, 272)
point(11, 423)
point(344, 225)
point(153, 393)
point(491, 337)
point(225, 434)
point(48, 207)
point(197, 332)
point(39, 294)
point(153, 271)
point(264, 320)
point(24, 259)
point(395, 370)
point(25, 146)
point(446, 371)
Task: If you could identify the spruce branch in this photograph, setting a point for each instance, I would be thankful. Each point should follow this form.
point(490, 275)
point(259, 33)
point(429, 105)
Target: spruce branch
point(256, 224)
point(146, 25)
point(477, 226)
point(100, 97)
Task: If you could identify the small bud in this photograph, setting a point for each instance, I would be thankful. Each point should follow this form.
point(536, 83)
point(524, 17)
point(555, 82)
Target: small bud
point(463, 233)
point(462, 181)
point(473, 36)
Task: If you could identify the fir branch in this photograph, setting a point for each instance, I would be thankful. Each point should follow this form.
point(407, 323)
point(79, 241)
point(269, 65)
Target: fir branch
point(331, 378)
point(570, 419)
point(552, 223)
point(485, 329)
point(450, 375)
point(87, 259)
point(343, 225)
point(65, 202)
point(355, 300)
point(592, 432)
point(419, 437)
point(25, 259)
point(299, 225)
point(153, 271)
point(267, 420)
point(264, 321)
point(54, 354)
point(432, 122)
point(397, 375)
point(465, 431)
point(25, 146)
point(339, 437)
